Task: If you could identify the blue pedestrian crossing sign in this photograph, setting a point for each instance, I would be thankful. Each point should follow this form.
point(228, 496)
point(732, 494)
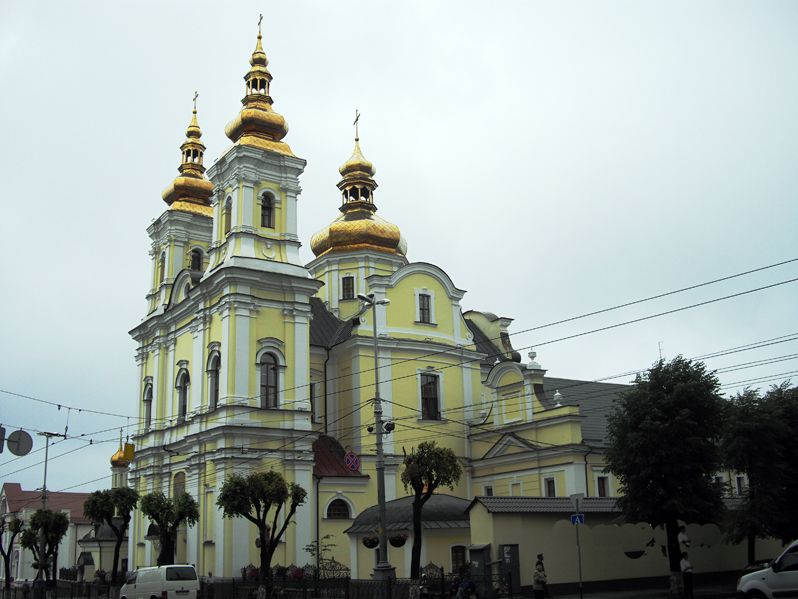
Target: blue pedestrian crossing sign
point(577, 518)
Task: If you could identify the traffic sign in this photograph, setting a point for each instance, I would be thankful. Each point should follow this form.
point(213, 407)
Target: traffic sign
point(19, 443)
point(352, 461)
point(577, 518)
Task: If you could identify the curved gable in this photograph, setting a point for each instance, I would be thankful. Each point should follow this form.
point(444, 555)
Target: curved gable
point(425, 268)
point(503, 374)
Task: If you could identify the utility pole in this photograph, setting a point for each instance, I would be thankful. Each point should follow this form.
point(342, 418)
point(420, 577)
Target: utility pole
point(383, 570)
point(42, 538)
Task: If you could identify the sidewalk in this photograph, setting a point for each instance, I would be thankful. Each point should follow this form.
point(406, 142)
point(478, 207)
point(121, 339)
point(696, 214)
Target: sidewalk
point(702, 592)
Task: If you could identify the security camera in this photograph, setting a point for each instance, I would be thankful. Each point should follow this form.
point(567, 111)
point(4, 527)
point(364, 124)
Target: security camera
point(389, 426)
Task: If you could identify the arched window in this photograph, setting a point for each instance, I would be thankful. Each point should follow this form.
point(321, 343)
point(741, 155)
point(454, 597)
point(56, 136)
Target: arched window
point(268, 381)
point(196, 259)
point(147, 406)
point(161, 267)
point(182, 395)
point(338, 510)
point(227, 215)
point(267, 211)
point(214, 364)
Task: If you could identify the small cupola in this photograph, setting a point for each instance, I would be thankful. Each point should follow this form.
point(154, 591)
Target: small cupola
point(257, 124)
point(358, 227)
point(191, 190)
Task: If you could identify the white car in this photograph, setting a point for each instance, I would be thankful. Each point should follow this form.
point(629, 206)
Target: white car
point(779, 579)
point(178, 581)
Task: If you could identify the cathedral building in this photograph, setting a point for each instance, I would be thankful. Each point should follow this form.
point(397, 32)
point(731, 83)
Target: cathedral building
point(250, 360)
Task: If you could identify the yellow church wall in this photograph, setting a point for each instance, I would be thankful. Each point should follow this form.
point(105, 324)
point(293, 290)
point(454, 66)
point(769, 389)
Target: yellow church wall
point(402, 311)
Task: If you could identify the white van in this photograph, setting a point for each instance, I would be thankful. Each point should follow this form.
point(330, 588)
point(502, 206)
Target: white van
point(779, 579)
point(178, 581)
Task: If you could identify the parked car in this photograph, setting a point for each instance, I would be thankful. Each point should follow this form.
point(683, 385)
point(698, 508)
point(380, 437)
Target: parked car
point(177, 581)
point(779, 579)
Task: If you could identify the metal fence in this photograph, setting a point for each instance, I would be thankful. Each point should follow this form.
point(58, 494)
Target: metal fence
point(436, 585)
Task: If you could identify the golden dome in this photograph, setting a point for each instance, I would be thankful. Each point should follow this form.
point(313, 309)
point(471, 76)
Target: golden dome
point(191, 190)
point(258, 124)
point(357, 163)
point(119, 460)
point(358, 227)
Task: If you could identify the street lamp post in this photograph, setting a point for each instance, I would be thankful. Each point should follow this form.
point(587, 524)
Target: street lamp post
point(383, 569)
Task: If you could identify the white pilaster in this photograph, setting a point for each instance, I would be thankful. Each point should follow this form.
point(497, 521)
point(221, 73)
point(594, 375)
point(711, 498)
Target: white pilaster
point(243, 361)
point(227, 356)
point(197, 368)
point(157, 400)
point(193, 540)
point(305, 514)
point(301, 364)
point(169, 383)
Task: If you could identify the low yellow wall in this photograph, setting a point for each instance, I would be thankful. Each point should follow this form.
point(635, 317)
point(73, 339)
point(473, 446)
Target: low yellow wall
point(610, 551)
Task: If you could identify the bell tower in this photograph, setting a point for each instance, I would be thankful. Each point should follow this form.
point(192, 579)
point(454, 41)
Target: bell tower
point(181, 235)
point(256, 183)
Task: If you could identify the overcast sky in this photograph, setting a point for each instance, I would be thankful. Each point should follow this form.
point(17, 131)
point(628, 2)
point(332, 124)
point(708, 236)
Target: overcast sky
point(554, 158)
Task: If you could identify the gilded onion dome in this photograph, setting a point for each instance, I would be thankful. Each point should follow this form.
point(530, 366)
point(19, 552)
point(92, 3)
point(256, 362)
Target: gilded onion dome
point(191, 190)
point(118, 460)
point(258, 124)
point(358, 227)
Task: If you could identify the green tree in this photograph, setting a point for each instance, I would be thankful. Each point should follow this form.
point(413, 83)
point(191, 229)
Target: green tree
point(168, 514)
point(759, 440)
point(54, 526)
point(113, 507)
point(14, 527)
point(426, 468)
point(663, 446)
point(252, 497)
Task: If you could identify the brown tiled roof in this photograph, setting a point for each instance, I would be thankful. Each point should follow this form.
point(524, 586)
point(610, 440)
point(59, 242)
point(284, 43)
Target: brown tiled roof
point(329, 458)
point(538, 505)
point(57, 501)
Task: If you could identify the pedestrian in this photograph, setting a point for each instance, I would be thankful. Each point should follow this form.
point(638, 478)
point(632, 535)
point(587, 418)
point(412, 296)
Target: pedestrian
point(423, 587)
point(687, 576)
point(539, 581)
point(455, 587)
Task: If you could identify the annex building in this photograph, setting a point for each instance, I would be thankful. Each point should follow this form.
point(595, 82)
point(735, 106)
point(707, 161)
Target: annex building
point(248, 360)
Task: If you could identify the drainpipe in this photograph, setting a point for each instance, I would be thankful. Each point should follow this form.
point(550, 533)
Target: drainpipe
point(327, 349)
point(587, 477)
point(318, 542)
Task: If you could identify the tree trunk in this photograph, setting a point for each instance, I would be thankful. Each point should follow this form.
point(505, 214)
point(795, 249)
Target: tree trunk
point(166, 556)
point(7, 568)
point(674, 553)
point(115, 563)
point(264, 554)
point(55, 564)
point(751, 548)
point(415, 561)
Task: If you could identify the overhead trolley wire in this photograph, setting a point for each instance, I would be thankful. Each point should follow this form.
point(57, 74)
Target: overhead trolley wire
point(466, 361)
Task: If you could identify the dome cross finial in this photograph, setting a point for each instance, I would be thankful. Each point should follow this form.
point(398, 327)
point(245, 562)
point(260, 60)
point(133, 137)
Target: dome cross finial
point(196, 95)
point(260, 20)
point(355, 123)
